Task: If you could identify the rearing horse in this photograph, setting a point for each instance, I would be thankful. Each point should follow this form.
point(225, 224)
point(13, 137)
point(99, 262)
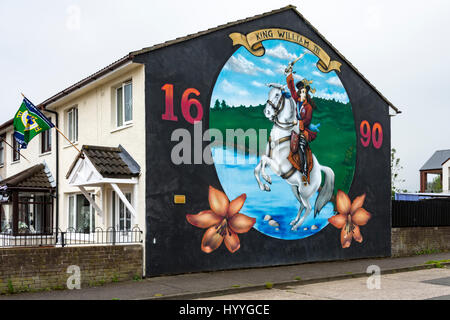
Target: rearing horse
point(282, 112)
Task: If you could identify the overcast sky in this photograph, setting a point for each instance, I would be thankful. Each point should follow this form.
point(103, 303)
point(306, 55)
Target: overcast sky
point(402, 47)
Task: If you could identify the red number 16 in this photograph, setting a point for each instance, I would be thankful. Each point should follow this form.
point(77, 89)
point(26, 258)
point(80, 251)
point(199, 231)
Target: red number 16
point(186, 104)
point(376, 134)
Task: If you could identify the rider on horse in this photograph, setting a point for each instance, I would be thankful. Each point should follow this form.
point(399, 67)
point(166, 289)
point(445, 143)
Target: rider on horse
point(305, 107)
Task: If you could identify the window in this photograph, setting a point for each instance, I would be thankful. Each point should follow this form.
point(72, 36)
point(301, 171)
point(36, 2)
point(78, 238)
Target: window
point(81, 214)
point(15, 150)
point(35, 213)
point(72, 124)
point(122, 214)
point(46, 140)
point(5, 217)
point(2, 150)
point(124, 104)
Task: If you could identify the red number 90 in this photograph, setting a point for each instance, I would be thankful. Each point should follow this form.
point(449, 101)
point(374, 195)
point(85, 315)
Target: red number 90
point(376, 134)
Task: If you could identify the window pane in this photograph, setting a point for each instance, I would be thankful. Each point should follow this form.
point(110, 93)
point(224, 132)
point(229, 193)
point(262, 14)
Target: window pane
point(71, 213)
point(43, 142)
point(46, 141)
point(113, 209)
point(93, 215)
point(119, 102)
point(39, 214)
point(1, 152)
point(83, 213)
point(15, 153)
point(70, 124)
point(128, 222)
point(49, 139)
point(75, 126)
point(128, 102)
point(2, 161)
point(5, 217)
point(23, 223)
point(121, 215)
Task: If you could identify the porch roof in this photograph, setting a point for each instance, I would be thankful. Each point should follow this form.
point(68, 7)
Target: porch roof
point(99, 166)
point(110, 162)
point(437, 160)
point(35, 177)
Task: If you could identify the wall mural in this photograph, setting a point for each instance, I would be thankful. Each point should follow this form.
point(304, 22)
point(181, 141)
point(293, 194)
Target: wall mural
point(279, 148)
point(285, 204)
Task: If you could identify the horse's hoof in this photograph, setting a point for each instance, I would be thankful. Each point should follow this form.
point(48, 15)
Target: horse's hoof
point(266, 188)
point(297, 225)
point(294, 228)
point(268, 179)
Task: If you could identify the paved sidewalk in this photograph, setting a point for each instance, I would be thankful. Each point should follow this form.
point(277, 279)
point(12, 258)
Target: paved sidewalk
point(196, 285)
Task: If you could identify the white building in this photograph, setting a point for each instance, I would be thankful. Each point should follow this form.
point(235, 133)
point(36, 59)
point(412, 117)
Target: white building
point(438, 164)
point(99, 188)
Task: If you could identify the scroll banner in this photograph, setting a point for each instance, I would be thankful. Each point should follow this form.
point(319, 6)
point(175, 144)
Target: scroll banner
point(253, 43)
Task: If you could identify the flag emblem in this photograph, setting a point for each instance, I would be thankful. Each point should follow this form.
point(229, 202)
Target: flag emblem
point(29, 122)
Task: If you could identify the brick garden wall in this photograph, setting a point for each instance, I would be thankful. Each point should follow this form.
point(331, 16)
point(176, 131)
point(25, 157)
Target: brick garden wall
point(410, 241)
point(33, 269)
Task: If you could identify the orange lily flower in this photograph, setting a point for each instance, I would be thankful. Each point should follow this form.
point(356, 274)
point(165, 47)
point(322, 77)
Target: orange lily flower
point(223, 221)
point(351, 216)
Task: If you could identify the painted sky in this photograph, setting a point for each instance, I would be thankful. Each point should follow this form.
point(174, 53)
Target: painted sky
point(244, 77)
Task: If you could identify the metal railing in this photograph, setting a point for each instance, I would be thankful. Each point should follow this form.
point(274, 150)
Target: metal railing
point(424, 213)
point(70, 237)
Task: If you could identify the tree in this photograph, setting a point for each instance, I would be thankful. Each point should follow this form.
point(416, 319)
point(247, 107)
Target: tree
point(395, 172)
point(223, 105)
point(435, 186)
point(217, 104)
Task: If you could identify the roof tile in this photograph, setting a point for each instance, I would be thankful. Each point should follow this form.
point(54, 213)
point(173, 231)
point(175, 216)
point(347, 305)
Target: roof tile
point(437, 160)
point(109, 162)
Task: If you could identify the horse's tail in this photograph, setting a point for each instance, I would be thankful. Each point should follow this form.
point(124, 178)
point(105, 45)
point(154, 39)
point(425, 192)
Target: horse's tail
point(327, 190)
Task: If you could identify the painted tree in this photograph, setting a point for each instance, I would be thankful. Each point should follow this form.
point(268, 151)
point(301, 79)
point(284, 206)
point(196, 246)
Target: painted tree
point(217, 104)
point(223, 105)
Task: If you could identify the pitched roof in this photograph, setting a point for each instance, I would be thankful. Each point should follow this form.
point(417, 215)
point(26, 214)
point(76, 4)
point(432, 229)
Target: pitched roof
point(110, 162)
point(38, 176)
point(131, 55)
point(437, 160)
point(6, 124)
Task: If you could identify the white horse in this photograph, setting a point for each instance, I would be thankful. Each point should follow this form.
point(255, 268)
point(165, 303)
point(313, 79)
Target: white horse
point(282, 112)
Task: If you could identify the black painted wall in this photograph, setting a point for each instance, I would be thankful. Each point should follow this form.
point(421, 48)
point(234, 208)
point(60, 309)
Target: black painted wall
point(172, 244)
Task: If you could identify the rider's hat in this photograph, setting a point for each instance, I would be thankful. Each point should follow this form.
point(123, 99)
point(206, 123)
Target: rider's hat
point(305, 84)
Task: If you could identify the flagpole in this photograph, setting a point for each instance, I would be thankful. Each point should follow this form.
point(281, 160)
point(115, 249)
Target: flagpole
point(14, 149)
point(67, 139)
point(59, 131)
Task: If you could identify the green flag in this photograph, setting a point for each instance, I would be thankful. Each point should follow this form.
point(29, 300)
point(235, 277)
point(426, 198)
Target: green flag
point(29, 121)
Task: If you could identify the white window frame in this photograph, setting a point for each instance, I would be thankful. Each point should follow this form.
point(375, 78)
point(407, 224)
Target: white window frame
point(48, 134)
point(115, 209)
point(91, 212)
point(124, 121)
point(2, 151)
point(72, 125)
point(15, 150)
